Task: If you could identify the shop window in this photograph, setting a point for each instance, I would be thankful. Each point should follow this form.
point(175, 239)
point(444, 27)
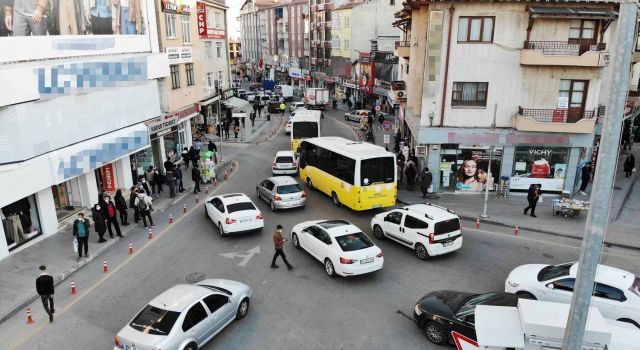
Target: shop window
point(20, 221)
point(469, 94)
point(475, 29)
point(175, 77)
point(546, 166)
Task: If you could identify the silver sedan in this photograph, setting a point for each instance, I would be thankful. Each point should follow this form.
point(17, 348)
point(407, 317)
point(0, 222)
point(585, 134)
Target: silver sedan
point(282, 192)
point(186, 316)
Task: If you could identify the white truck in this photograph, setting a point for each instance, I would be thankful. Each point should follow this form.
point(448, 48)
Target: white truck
point(316, 98)
point(285, 91)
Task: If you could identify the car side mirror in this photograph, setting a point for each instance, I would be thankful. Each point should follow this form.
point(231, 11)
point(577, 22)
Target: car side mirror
point(386, 218)
point(550, 286)
point(228, 300)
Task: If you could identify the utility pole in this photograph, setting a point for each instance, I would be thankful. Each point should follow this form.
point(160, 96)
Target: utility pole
point(604, 177)
point(489, 178)
point(219, 120)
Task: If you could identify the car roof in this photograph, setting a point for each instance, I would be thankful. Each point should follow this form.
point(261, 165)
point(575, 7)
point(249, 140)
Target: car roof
point(283, 180)
point(608, 275)
point(284, 153)
point(357, 150)
point(338, 227)
point(359, 111)
point(179, 297)
point(430, 211)
point(234, 198)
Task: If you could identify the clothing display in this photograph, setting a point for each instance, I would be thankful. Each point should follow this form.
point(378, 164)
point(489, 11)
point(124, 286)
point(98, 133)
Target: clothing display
point(20, 220)
point(16, 232)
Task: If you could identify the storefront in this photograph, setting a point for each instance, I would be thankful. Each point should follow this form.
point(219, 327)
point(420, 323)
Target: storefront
point(140, 162)
point(546, 166)
point(465, 168)
point(296, 76)
point(67, 198)
point(170, 134)
point(20, 221)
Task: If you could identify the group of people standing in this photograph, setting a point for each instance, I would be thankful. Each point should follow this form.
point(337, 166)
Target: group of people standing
point(409, 169)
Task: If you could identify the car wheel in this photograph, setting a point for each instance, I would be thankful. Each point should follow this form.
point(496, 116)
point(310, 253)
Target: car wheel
point(243, 309)
point(346, 118)
point(191, 346)
point(295, 241)
point(527, 294)
point(377, 231)
point(421, 252)
point(435, 333)
point(335, 199)
point(273, 206)
point(309, 183)
point(328, 267)
point(221, 229)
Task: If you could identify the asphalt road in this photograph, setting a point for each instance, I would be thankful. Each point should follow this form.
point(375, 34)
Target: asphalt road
point(299, 309)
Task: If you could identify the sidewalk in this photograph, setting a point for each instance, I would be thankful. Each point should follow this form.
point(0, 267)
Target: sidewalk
point(19, 270)
point(248, 133)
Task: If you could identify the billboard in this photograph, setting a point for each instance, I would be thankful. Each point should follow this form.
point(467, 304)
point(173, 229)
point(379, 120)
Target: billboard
point(41, 29)
point(204, 29)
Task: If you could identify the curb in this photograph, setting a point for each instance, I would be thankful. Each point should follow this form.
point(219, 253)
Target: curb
point(551, 233)
point(624, 200)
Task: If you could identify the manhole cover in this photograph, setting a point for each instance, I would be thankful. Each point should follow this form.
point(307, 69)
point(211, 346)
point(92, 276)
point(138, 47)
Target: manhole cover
point(195, 277)
point(433, 196)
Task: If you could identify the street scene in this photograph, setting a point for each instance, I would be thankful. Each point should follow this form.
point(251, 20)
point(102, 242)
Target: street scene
point(323, 174)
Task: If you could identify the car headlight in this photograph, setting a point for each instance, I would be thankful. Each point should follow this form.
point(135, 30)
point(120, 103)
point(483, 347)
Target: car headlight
point(513, 284)
point(417, 310)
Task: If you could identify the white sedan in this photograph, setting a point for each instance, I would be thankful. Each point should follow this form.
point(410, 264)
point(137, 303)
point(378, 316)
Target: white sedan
point(234, 213)
point(343, 248)
point(616, 292)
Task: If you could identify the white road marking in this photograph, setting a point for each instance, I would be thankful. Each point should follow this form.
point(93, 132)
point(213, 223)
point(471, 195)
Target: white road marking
point(245, 257)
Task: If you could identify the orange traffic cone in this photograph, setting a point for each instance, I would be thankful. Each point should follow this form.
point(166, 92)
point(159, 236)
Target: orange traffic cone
point(130, 248)
point(170, 219)
point(73, 288)
point(29, 319)
point(206, 190)
point(184, 208)
point(478, 223)
point(105, 267)
point(150, 233)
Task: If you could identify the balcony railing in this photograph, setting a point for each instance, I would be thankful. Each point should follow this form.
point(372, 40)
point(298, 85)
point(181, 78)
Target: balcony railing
point(571, 115)
point(563, 48)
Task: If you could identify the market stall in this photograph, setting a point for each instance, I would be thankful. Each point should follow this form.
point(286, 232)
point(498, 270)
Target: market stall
point(569, 207)
point(207, 167)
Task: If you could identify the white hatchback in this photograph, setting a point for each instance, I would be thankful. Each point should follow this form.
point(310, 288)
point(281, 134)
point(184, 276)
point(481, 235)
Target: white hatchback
point(343, 248)
point(616, 292)
point(234, 213)
point(297, 105)
point(284, 163)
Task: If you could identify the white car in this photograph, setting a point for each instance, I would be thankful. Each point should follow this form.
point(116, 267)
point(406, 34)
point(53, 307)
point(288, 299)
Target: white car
point(343, 248)
point(287, 128)
point(297, 105)
point(186, 316)
point(234, 213)
point(616, 293)
point(428, 229)
point(284, 163)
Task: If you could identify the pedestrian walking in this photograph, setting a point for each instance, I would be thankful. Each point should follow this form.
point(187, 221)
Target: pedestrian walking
point(132, 203)
point(159, 179)
point(197, 146)
point(381, 120)
point(227, 125)
point(179, 184)
point(109, 212)
point(425, 181)
point(81, 234)
point(278, 240)
point(196, 177)
point(121, 205)
point(45, 289)
point(185, 157)
point(143, 202)
point(411, 175)
point(629, 165)
point(194, 156)
point(349, 103)
point(236, 130)
point(145, 186)
point(585, 177)
point(283, 107)
point(99, 222)
point(533, 195)
point(170, 179)
point(212, 147)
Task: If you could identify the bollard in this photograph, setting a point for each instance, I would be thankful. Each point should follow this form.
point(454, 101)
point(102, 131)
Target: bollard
point(29, 319)
point(73, 287)
point(206, 190)
point(197, 199)
point(517, 230)
point(478, 223)
point(130, 248)
point(215, 182)
point(184, 209)
point(225, 174)
point(150, 234)
point(105, 267)
point(170, 219)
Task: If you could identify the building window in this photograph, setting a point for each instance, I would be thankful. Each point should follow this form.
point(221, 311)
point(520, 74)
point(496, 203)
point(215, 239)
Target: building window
point(218, 20)
point(208, 50)
point(469, 94)
point(186, 30)
point(210, 18)
point(170, 21)
point(218, 49)
point(582, 30)
point(209, 80)
point(475, 29)
point(189, 70)
point(220, 81)
point(175, 77)
point(392, 2)
point(346, 44)
point(346, 21)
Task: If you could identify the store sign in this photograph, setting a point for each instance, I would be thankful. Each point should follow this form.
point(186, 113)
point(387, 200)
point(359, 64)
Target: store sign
point(563, 102)
point(295, 73)
point(539, 165)
point(175, 6)
point(203, 30)
point(179, 55)
point(109, 178)
point(523, 183)
point(171, 120)
point(384, 56)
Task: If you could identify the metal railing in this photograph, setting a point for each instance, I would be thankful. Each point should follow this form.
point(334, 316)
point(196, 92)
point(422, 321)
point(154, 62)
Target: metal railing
point(563, 48)
point(570, 115)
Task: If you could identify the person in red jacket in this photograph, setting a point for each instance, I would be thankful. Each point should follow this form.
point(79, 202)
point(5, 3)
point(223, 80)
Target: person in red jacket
point(110, 216)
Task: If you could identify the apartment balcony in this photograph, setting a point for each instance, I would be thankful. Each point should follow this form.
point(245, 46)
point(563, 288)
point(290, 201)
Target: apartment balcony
point(402, 49)
point(563, 53)
point(574, 121)
point(326, 44)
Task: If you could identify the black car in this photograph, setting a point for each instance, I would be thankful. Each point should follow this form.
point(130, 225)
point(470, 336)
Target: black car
point(440, 313)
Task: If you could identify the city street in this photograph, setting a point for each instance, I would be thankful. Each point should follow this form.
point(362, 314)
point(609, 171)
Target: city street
point(299, 309)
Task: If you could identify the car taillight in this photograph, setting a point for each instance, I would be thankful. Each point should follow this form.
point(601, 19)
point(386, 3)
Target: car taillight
point(431, 236)
point(117, 342)
point(278, 198)
point(260, 216)
point(274, 164)
point(295, 164)
point(230, 221)
point(380, 255)
point(347, 261)
point(304, 194)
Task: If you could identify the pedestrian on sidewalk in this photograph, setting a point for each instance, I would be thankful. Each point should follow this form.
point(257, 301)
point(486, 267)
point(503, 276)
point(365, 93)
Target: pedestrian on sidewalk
point(252, 116)
point(109, 213)
point(99, 223)
point(236, 130)
point(159, 179)
point(411, 175)
point(381, 120)
point(45, 289)
point(132, 203)
point(149, 174)
point(170, 178)
point(425, 181)
point(179, 184)
point(242, 120)
point(283, 107)
point(278, 240)
point(212, 146)
point(121, 205)
point(349, 104)
point(145, 186)
point(227, 125)
point(585, 177)
point(81, 233)
point(197, 146)
point(185, 158)
point(533, 195)
point(629, 165)
point(143, 202)
point(196, 177)
point(194, 155)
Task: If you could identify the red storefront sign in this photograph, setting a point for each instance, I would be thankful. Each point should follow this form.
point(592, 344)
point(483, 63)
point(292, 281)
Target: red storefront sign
point(203, 30)
point(109, 178)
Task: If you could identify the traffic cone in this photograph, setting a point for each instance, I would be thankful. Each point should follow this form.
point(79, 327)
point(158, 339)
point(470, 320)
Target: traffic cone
point(29, 319)
point(184, 209)
point(478, 223)
point(197, 199)
point(170, 219)
point(73, 287)
point(130, 248)
point(225, 174)
point(215, 182)
point(206, 190)
point(517, 230)
point(150, 233)
point(105, 267)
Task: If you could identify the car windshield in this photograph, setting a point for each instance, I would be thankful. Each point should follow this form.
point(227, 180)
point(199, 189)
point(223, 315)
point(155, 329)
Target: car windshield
point(469, 305)
point(240, 206)
point(287, 189)
point(153, 320)
point(354, 241)
point(377, 170)
point(554, 271)
point(284, 160)
point(305, 129)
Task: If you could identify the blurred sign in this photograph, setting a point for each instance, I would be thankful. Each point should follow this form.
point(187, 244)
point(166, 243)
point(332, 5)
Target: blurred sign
point(563, 102)
point(387, 138)
point(387, 125)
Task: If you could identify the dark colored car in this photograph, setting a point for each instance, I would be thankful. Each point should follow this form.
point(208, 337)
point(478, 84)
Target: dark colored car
point(273, 107)
point(440, 313)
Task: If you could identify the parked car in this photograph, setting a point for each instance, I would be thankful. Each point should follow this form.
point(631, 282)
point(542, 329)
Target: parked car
point(284, 163)
point(242, 93)
point(282, 192)
point(616, 292)
point(343, 248)
point(233, 213)
point(273, 107)
point(428, 229)
point(251, 96)
point(439, 313)
point(356, 116)
point(297, 105)
point(186, 316)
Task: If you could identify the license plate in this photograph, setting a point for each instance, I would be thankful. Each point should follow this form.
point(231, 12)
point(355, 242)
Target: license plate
point(245, 220)
point(377, 206)
point(366, 261)
point(446, 244)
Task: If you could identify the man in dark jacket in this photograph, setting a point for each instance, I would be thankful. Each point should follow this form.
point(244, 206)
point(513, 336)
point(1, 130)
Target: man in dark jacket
point(109, 212)
point(425, 181)
point(179, 184)
point(585, 177)
point(196, 177)
point(629, 165)
point(121, 205)
point(278, 241)
point(81, 233)
point(532, 197)
point(212, 147)
point(132, 201)
point(45, 289)
point(411, 176)
point(99, 223)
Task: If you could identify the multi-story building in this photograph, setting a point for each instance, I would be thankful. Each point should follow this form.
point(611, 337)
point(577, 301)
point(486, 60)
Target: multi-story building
point(73, 118)
point(235, 58)
point(320, 24)
point(522, 77)
point(252, 35)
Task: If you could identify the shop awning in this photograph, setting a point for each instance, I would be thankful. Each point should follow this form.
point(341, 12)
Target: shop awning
point(572, 12)
point(235, 102)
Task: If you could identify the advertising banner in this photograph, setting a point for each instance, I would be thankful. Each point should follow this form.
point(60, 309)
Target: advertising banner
point(472, 173)
point(203, 30)
point(546, 166)
point(179, 55)
point(175, 6)
point(109, 178)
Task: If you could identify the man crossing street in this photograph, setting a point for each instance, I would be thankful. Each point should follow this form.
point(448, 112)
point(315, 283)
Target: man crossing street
point(278, 240)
